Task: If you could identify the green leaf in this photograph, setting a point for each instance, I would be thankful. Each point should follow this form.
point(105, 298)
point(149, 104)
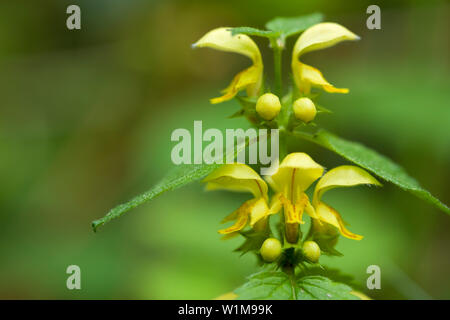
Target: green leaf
point(322, 288)
point(267, 285)
point(278, 285)
point(374, 162)
point(177, 177)
point(281, 27)
point(253, 32)
point(293, 25)
point(253, 240)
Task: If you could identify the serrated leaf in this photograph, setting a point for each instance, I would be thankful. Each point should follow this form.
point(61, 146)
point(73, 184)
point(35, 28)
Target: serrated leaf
point(288, 26)
point(333, 274)
point(176, 178)
point(179, 176)
point(322, 288)
point(374, 162)
point(278, 285)
point(253, 32)
point(267, 285)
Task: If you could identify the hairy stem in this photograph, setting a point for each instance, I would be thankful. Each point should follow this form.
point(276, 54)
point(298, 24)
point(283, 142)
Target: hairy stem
point(283, 150)
point(277, 50)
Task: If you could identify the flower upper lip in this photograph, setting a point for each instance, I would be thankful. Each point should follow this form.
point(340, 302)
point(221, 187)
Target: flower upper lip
point(250, 78)
point(319, 36)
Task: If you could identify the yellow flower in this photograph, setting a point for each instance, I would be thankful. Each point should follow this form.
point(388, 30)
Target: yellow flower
point(240, 177)
point(319, 36)
point(295, 174)
point(250, 78)
point(343, 176)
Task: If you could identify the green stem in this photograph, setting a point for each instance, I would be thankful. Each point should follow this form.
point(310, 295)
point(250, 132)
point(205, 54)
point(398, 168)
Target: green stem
point(277, 50)
point(283, 150)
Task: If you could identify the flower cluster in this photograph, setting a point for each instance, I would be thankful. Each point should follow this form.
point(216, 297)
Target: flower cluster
point(319, 36)
point(297, 171)
point(295, 175)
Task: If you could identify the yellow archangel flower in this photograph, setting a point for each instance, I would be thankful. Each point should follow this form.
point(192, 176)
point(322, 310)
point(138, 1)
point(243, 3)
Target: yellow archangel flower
point(319, 36)
point(343, 176)
point(241, 178)
point(295, 174)
point(250, 78)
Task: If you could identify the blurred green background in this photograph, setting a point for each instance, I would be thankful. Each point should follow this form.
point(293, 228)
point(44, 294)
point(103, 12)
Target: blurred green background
point(85, 124)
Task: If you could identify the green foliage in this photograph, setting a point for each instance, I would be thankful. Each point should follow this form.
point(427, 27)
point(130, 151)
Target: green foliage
point(375, 163)
point(253, 240)
point(178, 177)
point(254, 32)
point(267, 285)
point(327, 244)
point(281, 27)
point(287, 27)
point(322, 288)
point(278, 285)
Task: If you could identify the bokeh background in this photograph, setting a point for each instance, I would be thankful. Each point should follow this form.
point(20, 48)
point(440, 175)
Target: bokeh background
point(85, 124)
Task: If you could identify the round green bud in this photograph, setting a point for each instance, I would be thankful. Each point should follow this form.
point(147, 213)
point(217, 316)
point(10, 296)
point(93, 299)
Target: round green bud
point(270, 249)
point(268, 106)
point(311, 251)
point(304, 109)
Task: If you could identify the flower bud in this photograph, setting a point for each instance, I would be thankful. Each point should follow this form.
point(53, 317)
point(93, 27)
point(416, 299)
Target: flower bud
point(311, 251)
point(268, 106)
point(270, 249)
point(304, 109)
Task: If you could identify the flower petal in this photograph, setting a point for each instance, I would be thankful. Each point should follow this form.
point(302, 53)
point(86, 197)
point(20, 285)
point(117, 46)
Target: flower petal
point(309, 209)
point(237, 177)
point(292, 214)
point(223, 40)
point(296, 171)
point(229, 236)
point(250, 78)
point(343, 176)
point(258, 211)
point(241, 216)
point(253, 210)
point(329, 215)
point(321, 36)
point(275, 203)
point(306, 76)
